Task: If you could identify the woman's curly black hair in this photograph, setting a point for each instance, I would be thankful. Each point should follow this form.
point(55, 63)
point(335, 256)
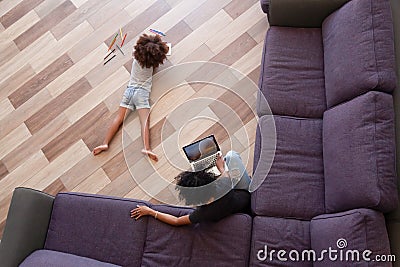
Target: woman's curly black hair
point(186, 181)
point(150, 51)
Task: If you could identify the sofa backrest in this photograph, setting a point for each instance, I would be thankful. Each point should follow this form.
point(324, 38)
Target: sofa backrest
point(358, 128)
point(97, 227)
point(358, 50)
point(357, 135)
point(100, 227)
point(223, 243)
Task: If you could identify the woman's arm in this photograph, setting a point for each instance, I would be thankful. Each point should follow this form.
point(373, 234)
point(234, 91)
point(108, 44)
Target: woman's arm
point(220, 163)
point(164, 217)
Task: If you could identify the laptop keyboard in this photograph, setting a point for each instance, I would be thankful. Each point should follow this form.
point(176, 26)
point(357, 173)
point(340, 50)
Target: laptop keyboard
point(205, 163)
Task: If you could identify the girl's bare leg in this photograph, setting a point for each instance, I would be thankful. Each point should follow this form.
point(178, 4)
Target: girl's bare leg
point(144, 123)
point(114, 127)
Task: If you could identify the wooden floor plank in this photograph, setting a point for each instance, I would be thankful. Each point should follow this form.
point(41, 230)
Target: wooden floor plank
point(18, 11)
point(198, 37)
point(236, 8)
point(234, 29)
point(55, 49)
point(249, 61)
point(6, 6)
point(142, 22)
point(116, 166)
point(35, 50)
point(45, 24)
point(25, 171)
point(138, 6)
point(6, 107)
point(11, 84)
point(235, 50)
point(98, 130)
point(176, 14)
point(159, 131)
point(98, 94)
point(178, 32)
point(90, 164)
point(90, 41)
point(173, 3)
point(79, 3)
point(205, 12)
point(3, 170)
point(13, 139)
point(76, 18)
point(39, 81)
point(20, 26)
point(94, 183)
point(47, 7)
point(73, 154)
point(50, 111)
point(76, 72)
point(70, 136)
point(255, 75)
point(55, 187)
point(18, 116)
point(258, 30)
point(106, 12)
point(119, 186)
point(9, 50)
point(36, 142)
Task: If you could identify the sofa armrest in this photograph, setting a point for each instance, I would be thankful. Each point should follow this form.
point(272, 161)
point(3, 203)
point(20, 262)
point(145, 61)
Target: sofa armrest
point(265, 6)
point(26, 226)
point(304, 13)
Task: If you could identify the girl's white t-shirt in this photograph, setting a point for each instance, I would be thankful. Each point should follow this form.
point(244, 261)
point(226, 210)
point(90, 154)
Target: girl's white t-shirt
point(141, 77)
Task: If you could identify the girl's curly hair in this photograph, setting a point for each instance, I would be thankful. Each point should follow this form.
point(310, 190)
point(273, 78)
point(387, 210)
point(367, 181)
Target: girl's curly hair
point(150, 51)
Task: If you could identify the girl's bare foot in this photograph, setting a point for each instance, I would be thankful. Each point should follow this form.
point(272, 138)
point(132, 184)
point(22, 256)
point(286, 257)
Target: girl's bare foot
point(97, 150)
point(150, 154)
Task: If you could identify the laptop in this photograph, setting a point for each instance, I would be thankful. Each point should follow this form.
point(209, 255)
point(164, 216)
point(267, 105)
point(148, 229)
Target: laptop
point(203, 154)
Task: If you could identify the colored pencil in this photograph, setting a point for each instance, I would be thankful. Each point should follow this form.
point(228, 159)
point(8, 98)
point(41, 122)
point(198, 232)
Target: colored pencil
point(120, 50)
point(157, 32)
point(123, 40)
point(112, 43)
point(120, 31)
point(109, 59)
point(109, 54)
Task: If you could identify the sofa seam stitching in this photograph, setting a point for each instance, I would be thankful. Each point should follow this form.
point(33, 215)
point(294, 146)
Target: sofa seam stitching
point(374, 46)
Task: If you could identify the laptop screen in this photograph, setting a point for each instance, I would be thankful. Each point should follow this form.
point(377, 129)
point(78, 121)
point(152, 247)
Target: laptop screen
point(201, 149)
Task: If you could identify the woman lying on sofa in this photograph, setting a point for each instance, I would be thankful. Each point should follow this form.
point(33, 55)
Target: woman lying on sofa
point(233, 185)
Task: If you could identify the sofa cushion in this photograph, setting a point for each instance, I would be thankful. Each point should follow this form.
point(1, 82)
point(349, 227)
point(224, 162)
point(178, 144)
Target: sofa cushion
point(294, 186)
point(97, 227)
point(279, 234)
point(359, 154)
point(49, 258)
point(357, 230)
point(358, 50)
point(225, 243)
point(292, 73)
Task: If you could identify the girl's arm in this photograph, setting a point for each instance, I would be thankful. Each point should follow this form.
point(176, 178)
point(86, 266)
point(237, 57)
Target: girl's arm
point(164, 217)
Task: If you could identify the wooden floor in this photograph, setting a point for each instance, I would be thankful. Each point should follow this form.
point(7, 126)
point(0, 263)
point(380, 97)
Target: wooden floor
point(57, 98)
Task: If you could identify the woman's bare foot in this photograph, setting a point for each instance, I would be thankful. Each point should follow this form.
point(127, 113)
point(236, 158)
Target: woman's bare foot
point(97, 150)
point(150, 154)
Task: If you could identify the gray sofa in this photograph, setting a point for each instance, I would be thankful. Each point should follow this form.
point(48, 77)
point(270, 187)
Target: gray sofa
point(328, 74)
point(93, 230)
point(335, 128)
